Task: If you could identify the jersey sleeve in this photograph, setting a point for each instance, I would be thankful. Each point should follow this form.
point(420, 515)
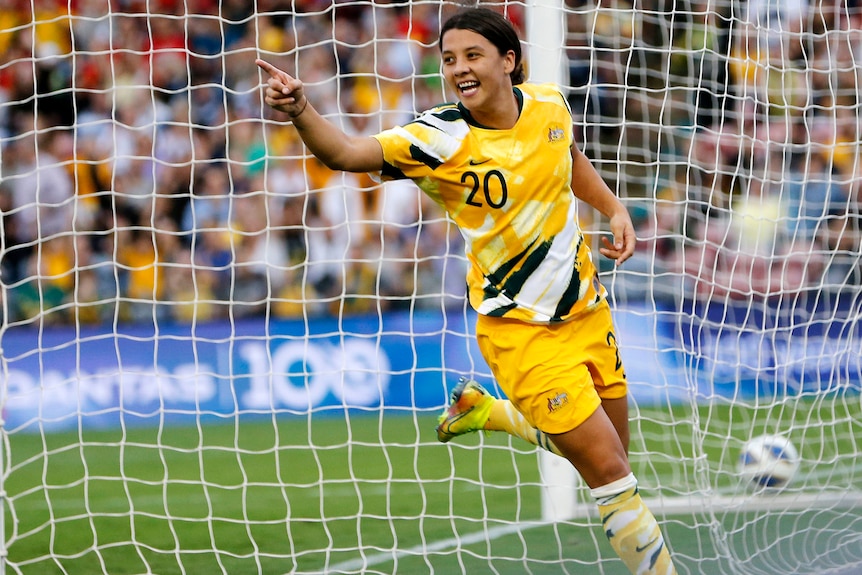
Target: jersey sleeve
point(416, 149)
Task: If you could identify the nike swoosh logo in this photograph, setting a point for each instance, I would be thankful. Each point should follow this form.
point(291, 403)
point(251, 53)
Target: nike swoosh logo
point(453, 420)
point(639, 549)
point(475, 163)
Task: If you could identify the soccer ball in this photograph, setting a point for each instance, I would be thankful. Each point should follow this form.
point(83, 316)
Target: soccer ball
point(768, 461)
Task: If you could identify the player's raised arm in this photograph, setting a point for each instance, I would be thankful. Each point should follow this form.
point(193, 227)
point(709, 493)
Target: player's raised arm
point(325, 140)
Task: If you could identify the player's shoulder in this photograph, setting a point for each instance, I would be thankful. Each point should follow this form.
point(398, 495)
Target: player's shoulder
point(448, 118)
point(544, 92)
point(447, 112)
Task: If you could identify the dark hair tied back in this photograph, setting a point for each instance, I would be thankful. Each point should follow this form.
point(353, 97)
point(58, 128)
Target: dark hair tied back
point(493, 26)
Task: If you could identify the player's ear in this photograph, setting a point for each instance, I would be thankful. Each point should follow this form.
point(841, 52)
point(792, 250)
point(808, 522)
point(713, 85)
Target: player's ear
point(509, 59)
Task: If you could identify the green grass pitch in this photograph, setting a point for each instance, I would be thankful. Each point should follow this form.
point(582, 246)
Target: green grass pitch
point(366, 493)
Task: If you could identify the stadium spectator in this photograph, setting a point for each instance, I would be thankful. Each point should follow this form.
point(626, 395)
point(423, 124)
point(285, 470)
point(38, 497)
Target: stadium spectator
point(42, 191)
point(246, 151)
point(336, 222)
point(260, 257)
point(437, 248)
point(211, 252)
point(699, 56)
point(210, 204)
point(17, 252)
point(257, 237)
point(614, 29)
point(141, 288)
point(813, 190)
point(297, 297)
point(38, 299)
point(95, 288)
point(192, 297)
point(843, 249)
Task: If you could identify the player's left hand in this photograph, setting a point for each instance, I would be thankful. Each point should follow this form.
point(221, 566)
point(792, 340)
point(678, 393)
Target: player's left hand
point(623, 245)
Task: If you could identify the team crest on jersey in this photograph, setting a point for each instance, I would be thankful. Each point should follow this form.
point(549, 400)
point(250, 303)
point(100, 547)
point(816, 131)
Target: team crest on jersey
point(557, 401)
point(555, 134)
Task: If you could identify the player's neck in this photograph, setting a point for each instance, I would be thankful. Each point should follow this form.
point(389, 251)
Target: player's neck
point(500, 114)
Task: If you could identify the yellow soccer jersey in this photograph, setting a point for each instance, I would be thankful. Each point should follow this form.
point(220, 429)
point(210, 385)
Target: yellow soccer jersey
point(509, 192)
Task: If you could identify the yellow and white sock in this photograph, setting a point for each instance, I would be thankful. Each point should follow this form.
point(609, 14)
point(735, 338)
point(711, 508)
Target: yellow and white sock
point(631, 528)
point(504, 417)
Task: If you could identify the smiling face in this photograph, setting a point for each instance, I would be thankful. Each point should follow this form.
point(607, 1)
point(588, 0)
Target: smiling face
point(476, 71)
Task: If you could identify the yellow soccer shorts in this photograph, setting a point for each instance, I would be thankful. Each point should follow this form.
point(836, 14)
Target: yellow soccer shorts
point(555, 374)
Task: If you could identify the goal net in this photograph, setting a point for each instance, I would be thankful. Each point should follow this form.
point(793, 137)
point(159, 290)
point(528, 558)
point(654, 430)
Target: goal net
point(217, 356)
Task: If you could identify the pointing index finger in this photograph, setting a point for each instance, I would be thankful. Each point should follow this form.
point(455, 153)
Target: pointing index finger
point(268, 68)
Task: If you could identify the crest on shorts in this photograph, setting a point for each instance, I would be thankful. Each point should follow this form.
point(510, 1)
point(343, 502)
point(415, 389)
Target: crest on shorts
point(557, 401)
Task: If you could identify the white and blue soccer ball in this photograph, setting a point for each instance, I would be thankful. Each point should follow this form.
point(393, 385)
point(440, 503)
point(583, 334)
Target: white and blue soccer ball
point(768, 461)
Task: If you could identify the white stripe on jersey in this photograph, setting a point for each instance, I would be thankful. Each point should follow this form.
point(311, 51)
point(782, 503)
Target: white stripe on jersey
point(444, 138)
point(457, 130)
point(546, 285)
point(419, 143)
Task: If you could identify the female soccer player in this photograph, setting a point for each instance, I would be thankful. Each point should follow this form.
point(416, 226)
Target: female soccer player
point(502, 162)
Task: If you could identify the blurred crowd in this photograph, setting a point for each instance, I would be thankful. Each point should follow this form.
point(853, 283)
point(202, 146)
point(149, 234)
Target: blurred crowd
point(753, 117)
point(143, 179)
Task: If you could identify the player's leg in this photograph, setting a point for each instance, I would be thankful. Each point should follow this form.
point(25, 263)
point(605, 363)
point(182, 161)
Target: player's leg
point(595, 449)
point(598, 448)
point(471, 408)
point(617, 410)
point(561, 377)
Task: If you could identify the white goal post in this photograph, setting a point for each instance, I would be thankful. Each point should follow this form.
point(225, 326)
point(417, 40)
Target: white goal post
point(217, 356)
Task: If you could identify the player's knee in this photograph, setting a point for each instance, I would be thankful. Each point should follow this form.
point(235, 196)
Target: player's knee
point(601, 468)
point(611, 470)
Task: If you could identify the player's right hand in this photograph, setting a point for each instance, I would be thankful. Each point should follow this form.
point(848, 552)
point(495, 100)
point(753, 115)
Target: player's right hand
point(624, 242)
point(283, 92)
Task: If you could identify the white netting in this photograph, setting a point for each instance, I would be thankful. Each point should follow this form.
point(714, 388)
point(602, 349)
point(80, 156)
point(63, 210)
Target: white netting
point(219, 356)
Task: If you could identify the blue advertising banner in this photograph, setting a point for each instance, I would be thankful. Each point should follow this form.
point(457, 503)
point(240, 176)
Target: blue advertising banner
point(54, 377)
point(61, 378)
point(804, 343)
